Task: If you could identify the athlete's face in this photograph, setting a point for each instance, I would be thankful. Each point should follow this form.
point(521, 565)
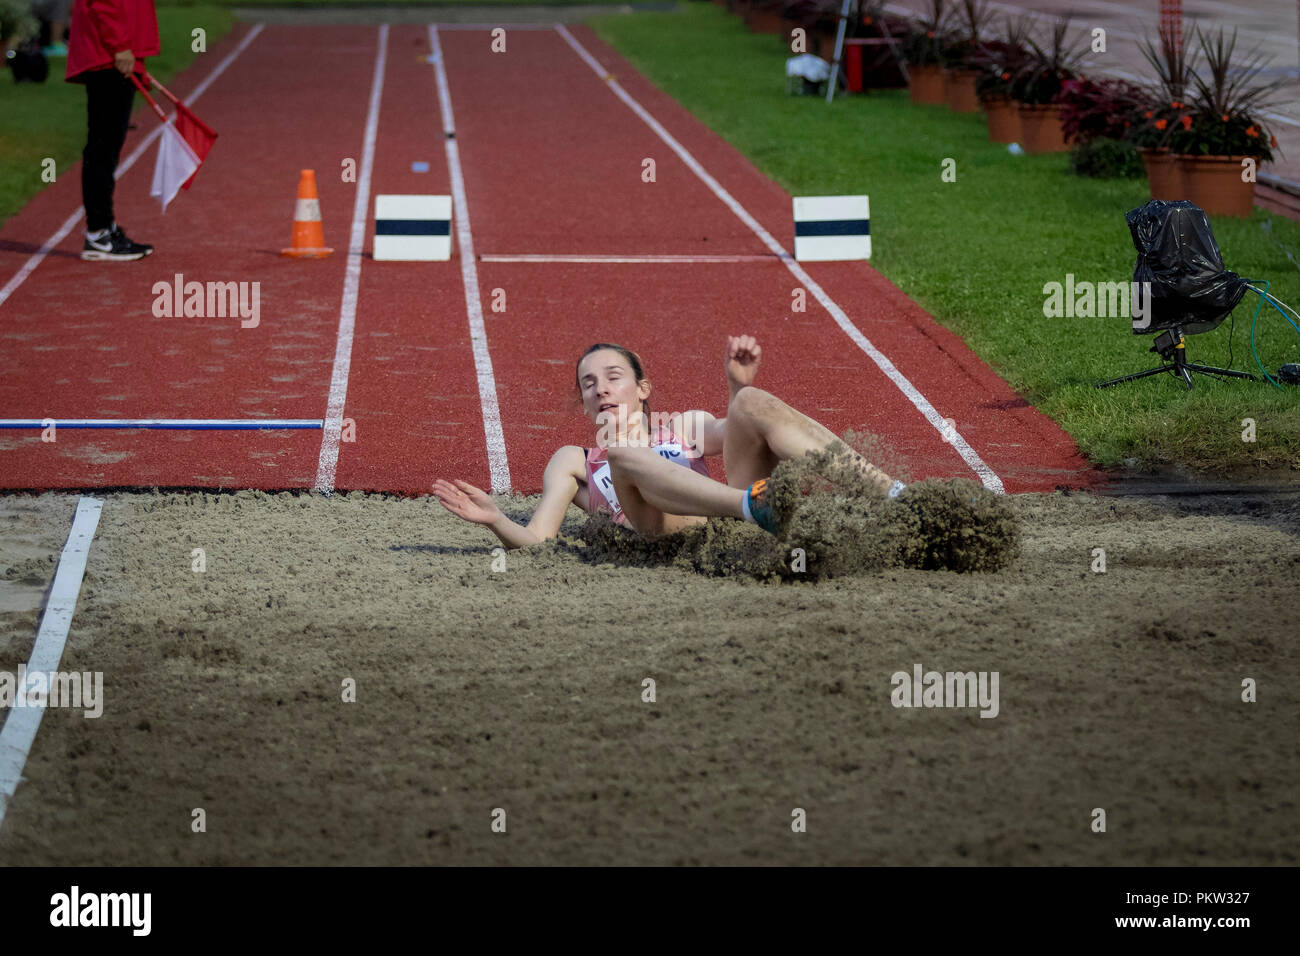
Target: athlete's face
point(609, 387)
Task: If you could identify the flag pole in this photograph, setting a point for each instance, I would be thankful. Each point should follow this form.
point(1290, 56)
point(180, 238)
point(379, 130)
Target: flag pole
point(145, 93)
point(165, 92)
point(180, 106)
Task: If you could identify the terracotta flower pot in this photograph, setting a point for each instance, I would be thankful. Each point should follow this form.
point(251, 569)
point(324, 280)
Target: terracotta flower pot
point(1214, 183)
point(1004, 120)
point(927, 84)
point(1041, 128)
point(1164, 175)
point(959, 88)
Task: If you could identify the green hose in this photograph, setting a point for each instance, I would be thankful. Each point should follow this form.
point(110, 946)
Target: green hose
point(1264, 296)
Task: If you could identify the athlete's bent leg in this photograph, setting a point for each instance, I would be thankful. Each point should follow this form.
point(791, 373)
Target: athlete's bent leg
point(762, 430)
point(653, 492)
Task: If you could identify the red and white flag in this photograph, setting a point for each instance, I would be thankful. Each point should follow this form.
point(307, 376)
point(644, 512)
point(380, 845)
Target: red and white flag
point(184, 144)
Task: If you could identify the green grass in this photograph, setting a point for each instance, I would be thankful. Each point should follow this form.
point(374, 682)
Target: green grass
point(49, 119)
point(977, 252)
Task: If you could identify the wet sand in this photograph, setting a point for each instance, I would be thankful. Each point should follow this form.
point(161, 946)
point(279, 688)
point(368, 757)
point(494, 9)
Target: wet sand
point(522, 689)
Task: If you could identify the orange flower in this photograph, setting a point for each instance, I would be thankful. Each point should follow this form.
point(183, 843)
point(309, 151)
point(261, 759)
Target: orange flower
point(1225, 117)
point(1251, 131)
point(930, 34)
point(1006, 76)
point(1148, 114)
point(1273, 141)
point(1187, 122)
point(867, 20)
point(1176, 105)
point(1161, 123)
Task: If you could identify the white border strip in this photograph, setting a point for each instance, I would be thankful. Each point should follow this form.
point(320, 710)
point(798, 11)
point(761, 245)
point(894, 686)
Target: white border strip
point(945, 428)
point(498, 465)
point(327, 464)
point(70, 223)
point(21, 726)
point(625, 259)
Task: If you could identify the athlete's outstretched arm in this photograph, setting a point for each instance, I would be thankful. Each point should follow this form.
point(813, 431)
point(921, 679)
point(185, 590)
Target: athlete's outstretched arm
point(559, 487)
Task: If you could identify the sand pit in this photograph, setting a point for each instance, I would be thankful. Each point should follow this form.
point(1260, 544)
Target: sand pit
point(836, 524)
point(523, 689)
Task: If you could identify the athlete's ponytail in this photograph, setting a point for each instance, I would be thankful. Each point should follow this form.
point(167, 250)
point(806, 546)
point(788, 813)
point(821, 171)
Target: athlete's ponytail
point(632, 359)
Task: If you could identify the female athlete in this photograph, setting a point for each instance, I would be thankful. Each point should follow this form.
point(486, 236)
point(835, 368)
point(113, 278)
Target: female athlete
point(653, 479)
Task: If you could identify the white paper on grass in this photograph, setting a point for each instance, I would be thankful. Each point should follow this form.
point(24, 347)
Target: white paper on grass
point(810, 67)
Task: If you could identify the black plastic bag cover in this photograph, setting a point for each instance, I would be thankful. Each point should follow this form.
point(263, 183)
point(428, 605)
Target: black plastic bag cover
point(1177, 254)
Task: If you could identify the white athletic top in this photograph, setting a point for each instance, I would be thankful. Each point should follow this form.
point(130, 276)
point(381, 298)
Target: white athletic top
point(600, 485)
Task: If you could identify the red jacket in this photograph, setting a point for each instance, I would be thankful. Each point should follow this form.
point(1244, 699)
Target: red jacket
point(100, 28)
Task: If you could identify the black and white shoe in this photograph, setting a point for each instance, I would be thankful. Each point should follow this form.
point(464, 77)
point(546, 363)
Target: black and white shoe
point(113, 245)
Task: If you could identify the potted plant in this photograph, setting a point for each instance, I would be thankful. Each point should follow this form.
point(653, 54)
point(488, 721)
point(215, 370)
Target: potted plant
point(999, 62)
point(962, 57)
point(1214, 140)
point(1038, 85)
point(1157, 115)
point(923, 50)
point(1097, 119)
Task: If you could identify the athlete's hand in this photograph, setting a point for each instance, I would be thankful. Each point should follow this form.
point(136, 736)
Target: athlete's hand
point(465, 501)
point(124, 62)
point(741, 361)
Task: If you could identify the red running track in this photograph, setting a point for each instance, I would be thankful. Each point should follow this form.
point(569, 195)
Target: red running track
point(552, 163)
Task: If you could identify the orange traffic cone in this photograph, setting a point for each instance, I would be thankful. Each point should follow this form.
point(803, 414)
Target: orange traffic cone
point(308, 234)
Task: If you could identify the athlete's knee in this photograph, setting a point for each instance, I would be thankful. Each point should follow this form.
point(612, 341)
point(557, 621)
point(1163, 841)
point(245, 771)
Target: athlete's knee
point(750, 400)
point(617, 458)
point(625, 459)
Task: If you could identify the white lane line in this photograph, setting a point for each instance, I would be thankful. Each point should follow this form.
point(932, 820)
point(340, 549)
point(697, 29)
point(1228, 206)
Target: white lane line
point(21, 726)
point(327, 464)
point(498, 466)
point(184, 424)
point(626, 259)
point(36, 258)
point(922, 404)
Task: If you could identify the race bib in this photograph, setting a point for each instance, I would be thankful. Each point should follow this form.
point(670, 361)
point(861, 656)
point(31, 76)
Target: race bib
point(674, 453)
point(605, 483)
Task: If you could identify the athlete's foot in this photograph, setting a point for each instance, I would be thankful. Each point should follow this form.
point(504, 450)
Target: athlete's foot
point(758, 508)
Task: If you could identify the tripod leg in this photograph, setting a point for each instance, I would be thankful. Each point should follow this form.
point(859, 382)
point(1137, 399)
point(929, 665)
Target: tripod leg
point(1226, 372)
point(1180, 361)
point(1135, 376)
